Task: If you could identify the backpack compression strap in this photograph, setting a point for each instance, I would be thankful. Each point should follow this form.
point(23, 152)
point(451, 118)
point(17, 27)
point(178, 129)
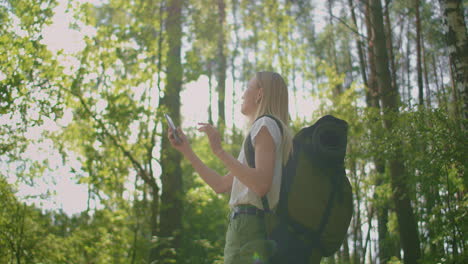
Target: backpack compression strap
point(249, 152)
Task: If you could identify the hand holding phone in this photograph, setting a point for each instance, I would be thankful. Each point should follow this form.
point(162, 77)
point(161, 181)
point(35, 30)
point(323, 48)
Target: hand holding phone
point(173, 128)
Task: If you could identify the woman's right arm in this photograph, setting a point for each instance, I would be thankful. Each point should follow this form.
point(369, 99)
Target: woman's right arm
point(220, 184)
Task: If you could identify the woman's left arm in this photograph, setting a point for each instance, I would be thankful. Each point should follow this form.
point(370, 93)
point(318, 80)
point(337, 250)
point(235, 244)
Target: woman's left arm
point(258, 179)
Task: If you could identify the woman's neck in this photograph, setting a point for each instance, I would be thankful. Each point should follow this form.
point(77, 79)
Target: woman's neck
point(251, 119)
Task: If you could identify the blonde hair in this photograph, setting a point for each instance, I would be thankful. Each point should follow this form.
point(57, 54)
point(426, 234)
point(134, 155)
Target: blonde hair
point(275, 102)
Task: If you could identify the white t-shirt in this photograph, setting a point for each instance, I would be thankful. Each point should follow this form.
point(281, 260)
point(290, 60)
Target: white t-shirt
point(241, 194)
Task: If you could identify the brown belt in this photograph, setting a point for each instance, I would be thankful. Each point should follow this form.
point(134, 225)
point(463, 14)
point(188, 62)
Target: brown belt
point(246, 209)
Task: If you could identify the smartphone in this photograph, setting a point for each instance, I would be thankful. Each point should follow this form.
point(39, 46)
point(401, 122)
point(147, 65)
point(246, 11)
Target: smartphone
point(173, 128)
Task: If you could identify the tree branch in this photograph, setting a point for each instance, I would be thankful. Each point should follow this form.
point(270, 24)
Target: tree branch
point(349, 27)
point(149, 179)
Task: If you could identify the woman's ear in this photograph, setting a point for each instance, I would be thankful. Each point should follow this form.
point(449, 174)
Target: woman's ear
point(259, 95)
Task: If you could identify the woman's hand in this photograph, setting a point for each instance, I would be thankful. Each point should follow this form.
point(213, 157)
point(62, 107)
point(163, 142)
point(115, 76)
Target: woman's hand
point(183, 145)
point(213, 136)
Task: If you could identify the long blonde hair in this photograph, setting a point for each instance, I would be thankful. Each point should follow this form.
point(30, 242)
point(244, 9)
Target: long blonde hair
point(275, 102)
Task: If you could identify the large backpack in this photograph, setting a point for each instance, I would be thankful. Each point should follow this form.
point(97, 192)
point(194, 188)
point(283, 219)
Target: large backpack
point(315, 205)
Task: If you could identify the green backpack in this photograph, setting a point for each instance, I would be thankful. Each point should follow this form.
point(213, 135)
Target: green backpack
point(316, 200)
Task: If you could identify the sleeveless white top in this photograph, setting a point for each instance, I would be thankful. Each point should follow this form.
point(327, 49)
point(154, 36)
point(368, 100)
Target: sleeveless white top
point(241, 194)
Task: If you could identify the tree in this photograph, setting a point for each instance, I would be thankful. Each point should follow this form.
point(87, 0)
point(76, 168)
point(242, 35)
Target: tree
point(457, 44)
point(383, 208)
point(419, 52)
point(29, 73)
point(171, 176)
point(222, 64)
point(331, 47)
point(401, 194)
point(359, 45)
point(115, 129)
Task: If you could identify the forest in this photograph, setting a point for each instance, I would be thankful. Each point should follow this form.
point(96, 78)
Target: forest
point(395, 70)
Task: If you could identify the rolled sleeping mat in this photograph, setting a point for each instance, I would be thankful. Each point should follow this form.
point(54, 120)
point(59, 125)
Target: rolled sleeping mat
point(329, 138)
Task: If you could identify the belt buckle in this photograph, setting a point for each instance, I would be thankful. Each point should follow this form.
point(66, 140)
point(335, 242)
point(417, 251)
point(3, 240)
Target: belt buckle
point(233, 215)
point(236, 211)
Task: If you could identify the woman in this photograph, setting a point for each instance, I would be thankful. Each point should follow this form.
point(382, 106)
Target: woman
point(266, 94)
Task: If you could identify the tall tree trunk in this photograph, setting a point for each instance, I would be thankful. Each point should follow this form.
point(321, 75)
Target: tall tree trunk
point(233, 59)
point(389, 34)
point(426, 74)
point(385, 252)
point(418, 53)
point(408, 64)
point(362, 62)
point(154, 188)
point(457, 43)
point(154, 206)
point(332, 48)
point(357, 230)
point(438, 84)
point(221, 69)
point(372, 98)
point(171, 176)
point(370, 212)
point(349, 59)
point(406, 220)
point(346, 258)
point(382, 211)
point(136, 228)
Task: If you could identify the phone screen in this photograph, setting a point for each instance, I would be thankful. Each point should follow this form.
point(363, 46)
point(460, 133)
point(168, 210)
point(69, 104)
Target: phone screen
point(173, 127)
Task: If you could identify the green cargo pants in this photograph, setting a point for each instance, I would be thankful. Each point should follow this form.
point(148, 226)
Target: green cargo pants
point(246, 241)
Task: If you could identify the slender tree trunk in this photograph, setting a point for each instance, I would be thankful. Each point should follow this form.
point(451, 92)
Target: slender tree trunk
point(370, 212)
point(349, 70)
point(433, 198)
point(408, 65)
point(210, 94)
point(332, 48)
point(389, 34)
point(385, 252)
point(233, 59)
point(382, 211)
point(457, 43)
point(255, 45)
point(418, 54)
point(357, 230)
point(402, 63)
point(19, 250)
point(154, 205)
point(426, 74)
point(362, 62)
point(356, 226)
point(154, 188)
point(439, 85)
point(136, 228)
point(171, 176)
point(221, 74)
point(346, 258)
point(406, 220)
point(372, 98)
point(371, 259)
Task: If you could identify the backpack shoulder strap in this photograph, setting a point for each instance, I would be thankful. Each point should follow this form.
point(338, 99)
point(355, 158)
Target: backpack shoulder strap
point(249, 152)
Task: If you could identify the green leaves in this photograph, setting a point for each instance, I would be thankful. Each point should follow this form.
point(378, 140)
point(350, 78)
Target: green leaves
point(113, 137)
point(33, 14)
